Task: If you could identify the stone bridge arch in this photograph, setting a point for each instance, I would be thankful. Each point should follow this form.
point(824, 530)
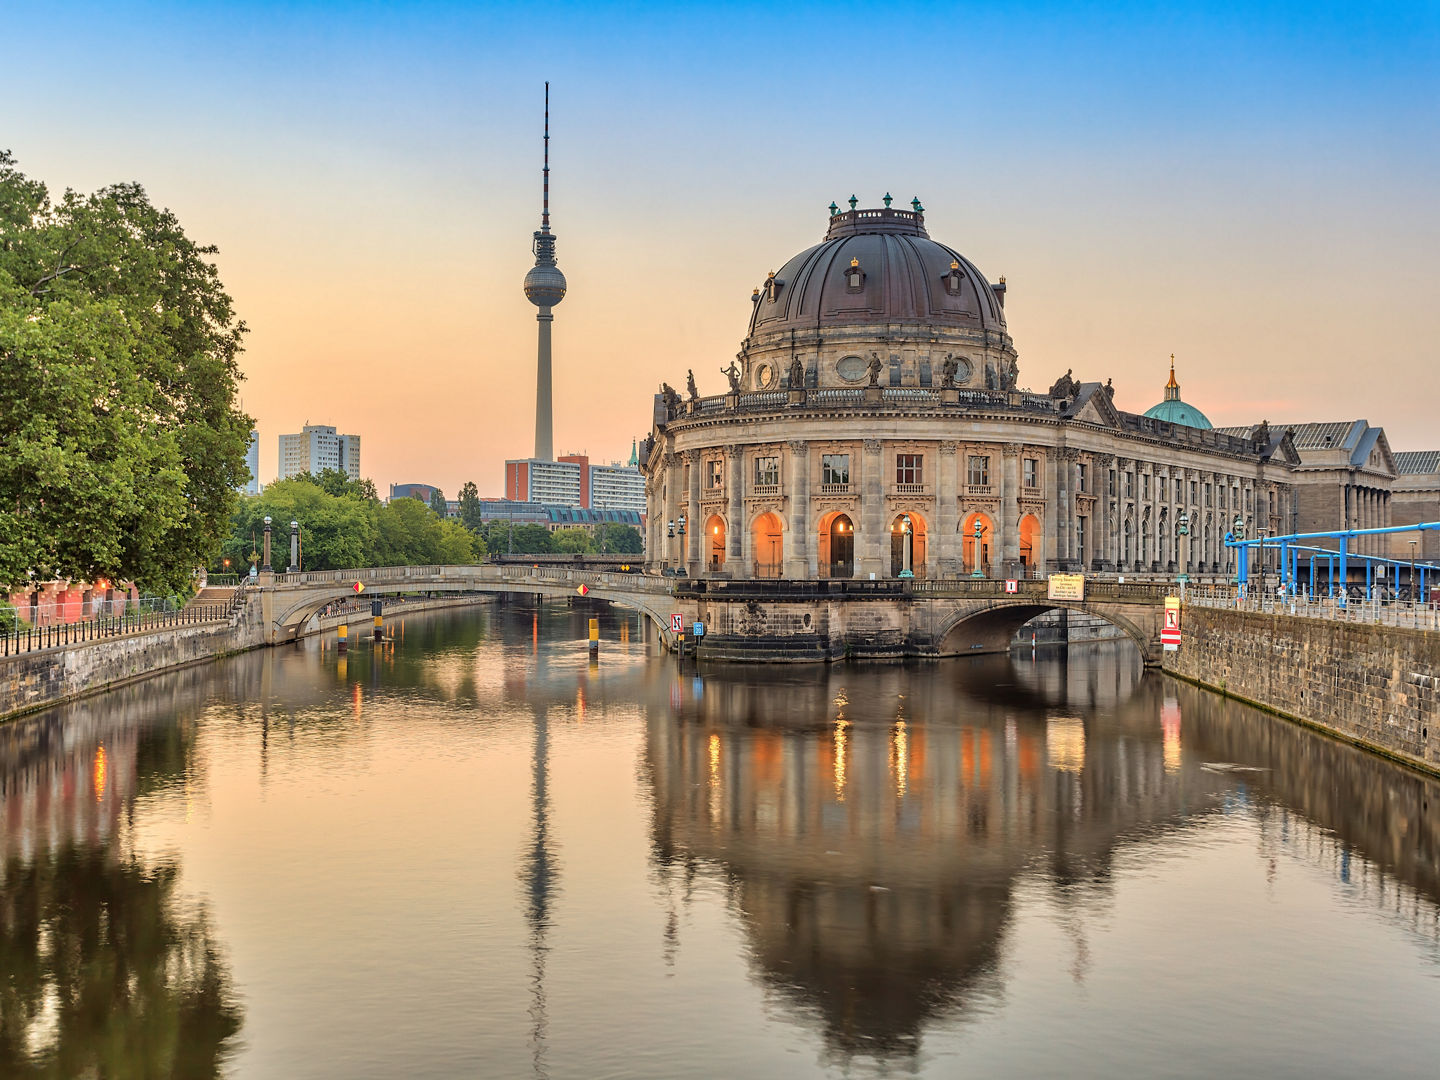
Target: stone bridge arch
point(990, 626)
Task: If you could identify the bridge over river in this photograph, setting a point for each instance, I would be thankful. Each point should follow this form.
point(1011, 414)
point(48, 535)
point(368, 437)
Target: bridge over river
point(771, 620)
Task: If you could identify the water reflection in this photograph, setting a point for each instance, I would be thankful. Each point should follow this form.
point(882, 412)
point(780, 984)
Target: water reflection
point(875, 824)
point(108, 969)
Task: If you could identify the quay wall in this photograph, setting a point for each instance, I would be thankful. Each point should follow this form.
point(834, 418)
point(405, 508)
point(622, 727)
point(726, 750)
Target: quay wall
point(1377, 686)
point(46, 677)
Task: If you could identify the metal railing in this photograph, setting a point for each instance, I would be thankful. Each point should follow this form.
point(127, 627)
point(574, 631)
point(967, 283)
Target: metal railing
point(60, 635)
point(1371, 611)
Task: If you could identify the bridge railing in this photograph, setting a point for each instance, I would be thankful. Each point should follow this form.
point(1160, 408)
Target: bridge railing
point(1371, 612)
point(63, 635)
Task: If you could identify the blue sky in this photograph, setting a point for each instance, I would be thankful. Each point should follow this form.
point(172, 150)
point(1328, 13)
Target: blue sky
point(1251, 187)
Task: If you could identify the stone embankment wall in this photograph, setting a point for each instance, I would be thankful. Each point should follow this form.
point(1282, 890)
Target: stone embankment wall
point(47, 677)
point(1374, 685)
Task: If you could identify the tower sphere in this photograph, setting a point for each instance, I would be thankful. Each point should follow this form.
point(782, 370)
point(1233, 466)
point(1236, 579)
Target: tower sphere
point(545, 286)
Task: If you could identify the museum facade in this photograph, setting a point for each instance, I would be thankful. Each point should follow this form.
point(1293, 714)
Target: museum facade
point(874, 428)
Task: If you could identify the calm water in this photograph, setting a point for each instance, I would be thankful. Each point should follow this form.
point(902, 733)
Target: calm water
point(472, 853)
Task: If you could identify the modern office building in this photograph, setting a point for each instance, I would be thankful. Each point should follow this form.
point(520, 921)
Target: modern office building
point(573, 481)
point(252, 462)
point(423, 492)
point(317, 448)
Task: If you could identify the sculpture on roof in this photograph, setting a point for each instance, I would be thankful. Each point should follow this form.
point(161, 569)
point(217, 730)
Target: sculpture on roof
point(948, 368)
point(690, 385)
point(797, 374)
point(733, 374)
point(873, 369)
point(1110, 389)
point(672, 399)
point(1009, 374)
point(1065, 386)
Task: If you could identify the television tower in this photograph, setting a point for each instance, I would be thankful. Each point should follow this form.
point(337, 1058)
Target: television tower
point(544, 287)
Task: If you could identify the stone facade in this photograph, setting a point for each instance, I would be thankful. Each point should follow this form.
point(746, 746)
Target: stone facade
point(1375, 685)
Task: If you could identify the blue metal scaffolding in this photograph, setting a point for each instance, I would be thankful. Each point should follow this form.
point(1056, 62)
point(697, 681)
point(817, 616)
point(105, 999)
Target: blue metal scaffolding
point(1337, 560)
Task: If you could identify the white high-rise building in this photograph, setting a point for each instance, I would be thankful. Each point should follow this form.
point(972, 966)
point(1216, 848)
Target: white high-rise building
point(317, 448)
point(252, 462)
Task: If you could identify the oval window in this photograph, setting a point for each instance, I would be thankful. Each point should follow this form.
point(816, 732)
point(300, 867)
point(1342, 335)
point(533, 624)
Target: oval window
point(962, 370)
point(765, 375)
point(851, 368)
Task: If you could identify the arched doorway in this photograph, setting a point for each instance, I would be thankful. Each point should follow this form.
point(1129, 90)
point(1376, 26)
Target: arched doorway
point(715, 534)
point(1029, 529)
point(837, 546)
point(987, 536)
point(907, 538)
point(768, 542)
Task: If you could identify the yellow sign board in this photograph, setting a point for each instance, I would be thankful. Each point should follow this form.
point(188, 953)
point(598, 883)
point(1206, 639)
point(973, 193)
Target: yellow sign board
point(1067, 587)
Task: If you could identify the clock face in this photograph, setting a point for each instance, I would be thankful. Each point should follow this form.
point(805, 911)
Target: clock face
point(851, 368)
point(764, 376)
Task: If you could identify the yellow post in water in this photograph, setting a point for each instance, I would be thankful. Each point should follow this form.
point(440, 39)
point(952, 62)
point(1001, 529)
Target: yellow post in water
point(342, 633)
point(594, 637)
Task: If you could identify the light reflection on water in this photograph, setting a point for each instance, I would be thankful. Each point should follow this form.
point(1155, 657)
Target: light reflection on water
point(474, 852)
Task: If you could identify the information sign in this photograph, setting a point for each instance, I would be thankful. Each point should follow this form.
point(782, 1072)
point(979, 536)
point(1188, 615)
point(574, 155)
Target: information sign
point(699, 629)
point(1170, 629)
point(1067, 587)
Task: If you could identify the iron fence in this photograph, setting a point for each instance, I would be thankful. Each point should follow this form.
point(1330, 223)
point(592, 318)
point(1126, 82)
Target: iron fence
point(1372, 611)
point(60, 635)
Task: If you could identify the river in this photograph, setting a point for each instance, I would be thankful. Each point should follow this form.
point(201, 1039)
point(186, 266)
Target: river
point(473, 852)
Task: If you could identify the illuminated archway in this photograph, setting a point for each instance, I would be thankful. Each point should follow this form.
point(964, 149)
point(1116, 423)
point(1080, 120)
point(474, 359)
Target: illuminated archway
point(987, 538)
point(837, 545)
point(907, 529)
point(767, 538)
point(715, 536)
point(1029, 529)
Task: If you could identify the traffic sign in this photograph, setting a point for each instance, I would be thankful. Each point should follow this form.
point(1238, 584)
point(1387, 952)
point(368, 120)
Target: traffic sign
point(1170, 628)
point(582, 589)
point(677, 623)
point(1011, 585)
point(699, 629)
point(359, 587)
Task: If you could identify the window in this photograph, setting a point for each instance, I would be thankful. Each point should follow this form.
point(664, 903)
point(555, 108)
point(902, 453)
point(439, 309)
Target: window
point(835, 469)
point(1249, 498)
point(979, 470)
point(909, 469)
point(1032, 473)
point(1111, 489)
point(1129, 485)
point(1162, 484)
point(1145, 485)
point(767, 472)
point(1194, 492)
point(714, 474)
point(1208, 499)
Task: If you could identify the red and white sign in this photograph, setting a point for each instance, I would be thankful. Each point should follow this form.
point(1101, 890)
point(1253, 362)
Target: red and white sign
point(1170, 629)
point(1011, 585)
point(677, 623)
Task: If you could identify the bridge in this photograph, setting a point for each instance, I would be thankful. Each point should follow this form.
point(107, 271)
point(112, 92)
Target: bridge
point(772, 620)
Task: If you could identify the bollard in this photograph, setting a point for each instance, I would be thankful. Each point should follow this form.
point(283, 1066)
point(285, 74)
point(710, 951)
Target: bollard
point(379, 620)
point(594, 638)
point(342, 633)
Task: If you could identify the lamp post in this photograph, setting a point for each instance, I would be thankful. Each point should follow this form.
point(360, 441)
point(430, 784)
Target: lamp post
point(670, 533)
point(294, 567)
point(906, 550)
point(680, 531)
point(1413, 595)
point(1182, 530)
point(1237, 530)
point(979, 532)
point(266, 564)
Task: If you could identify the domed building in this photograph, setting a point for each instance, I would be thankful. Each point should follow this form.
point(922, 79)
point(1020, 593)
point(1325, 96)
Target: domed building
point(874, 428)
point(1175, 411)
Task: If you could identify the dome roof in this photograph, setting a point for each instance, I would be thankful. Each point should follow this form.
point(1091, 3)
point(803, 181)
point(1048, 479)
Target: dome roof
point(877, 266)
point(545, 286)
point(1173, 410)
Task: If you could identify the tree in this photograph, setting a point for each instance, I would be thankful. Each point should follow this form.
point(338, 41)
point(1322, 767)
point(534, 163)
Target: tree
point(338, 482)
point(121, 444)
point(437, 503)
point(470, 507)
point(337, 532)
point(527, 539)
point(572, 541)
point(615, 539)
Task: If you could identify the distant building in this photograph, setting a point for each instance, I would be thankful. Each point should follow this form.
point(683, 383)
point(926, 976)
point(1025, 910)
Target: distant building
point(317, 448)
point(423, 492)
point(573, 481)
point(1416, 498)
point(523, 512)
point(252, 462)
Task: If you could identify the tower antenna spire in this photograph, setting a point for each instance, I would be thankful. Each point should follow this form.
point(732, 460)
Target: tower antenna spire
point(545, 209)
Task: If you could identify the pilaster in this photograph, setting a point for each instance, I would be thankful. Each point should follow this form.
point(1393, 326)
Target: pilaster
point(1009, 546)
point(872, 509)
point(946, 539)
point(799, 549)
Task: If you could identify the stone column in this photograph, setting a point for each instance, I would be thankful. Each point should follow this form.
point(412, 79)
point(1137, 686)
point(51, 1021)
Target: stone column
point(868, 548)
point(1104, 528)
point(1008, 550)
point(737, 529)
point(799, 549)
point(694, 527)
point(1051, 559)
point(672, 482)
point(945, 537)
point(1066, 525)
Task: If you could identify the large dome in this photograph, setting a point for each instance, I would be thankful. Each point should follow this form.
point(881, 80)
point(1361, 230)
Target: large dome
point(1175, 411)
point(877, 289)
point(903, 276)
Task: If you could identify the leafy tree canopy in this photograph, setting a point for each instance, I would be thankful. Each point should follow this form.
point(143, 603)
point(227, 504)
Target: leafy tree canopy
point(470, 507)
point(338, 482)
point(528, 539)
point(572, 541)
point(613, 538)
point(121, 444)
point(437, 503)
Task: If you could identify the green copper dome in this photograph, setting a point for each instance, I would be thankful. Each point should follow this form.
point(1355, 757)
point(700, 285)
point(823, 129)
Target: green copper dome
point(1174, 411)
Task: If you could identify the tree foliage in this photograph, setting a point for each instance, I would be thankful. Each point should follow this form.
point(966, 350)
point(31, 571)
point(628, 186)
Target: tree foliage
point(572, 541)
point(470, 507)
point(437, 503)
point(613, 538)
point(120, 441)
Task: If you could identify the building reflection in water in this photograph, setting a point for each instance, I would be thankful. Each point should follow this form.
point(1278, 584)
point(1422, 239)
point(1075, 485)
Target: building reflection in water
point(107, 969)
point(874, 824)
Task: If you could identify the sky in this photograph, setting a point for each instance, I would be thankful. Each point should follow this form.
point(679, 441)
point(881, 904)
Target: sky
point(1252, 187)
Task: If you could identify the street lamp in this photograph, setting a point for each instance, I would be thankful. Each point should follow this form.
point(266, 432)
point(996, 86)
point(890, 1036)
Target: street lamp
point(680, 530)
point(1182, 530)
point(266, 564)
point(294, 548)
point(979, 532)
point(907, 551)
point(1237, 531)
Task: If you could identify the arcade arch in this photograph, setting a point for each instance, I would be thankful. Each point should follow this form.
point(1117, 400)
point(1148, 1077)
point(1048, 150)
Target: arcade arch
point(767, 541)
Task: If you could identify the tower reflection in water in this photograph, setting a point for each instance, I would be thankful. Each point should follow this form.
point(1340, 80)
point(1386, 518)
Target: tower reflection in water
point(875, 826)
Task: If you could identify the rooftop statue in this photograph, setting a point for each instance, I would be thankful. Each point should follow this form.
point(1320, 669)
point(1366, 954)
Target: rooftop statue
point(797, 374)
point(672, 399)
point(733, 374)
point(948, 368)
point(873, 369)
point(690, 385)
point(1065, 386)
